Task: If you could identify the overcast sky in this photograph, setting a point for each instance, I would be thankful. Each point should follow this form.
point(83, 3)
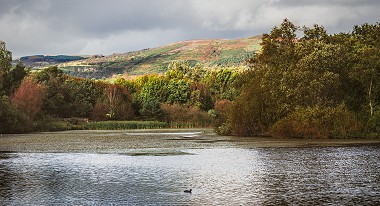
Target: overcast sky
point(116, 26)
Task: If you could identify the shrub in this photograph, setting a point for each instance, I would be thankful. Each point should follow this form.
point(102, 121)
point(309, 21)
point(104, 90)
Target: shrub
point(177, 115)
point(373, 125)
point(222, 109)
point(99, 112)
point(317, 122)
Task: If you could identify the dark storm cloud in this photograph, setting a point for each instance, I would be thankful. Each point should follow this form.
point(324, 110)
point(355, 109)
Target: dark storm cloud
point(95, 26)
point(114, 16)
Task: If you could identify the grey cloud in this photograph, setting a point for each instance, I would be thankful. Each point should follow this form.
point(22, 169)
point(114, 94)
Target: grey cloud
point(345, 3)
point(95, 26)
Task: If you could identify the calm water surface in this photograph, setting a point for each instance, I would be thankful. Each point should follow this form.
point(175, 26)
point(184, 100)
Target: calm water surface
point(218, 176)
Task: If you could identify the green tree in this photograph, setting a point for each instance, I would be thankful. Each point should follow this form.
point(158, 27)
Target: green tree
point(12, 120)
point(320, 76)
point(55, 104)
point(317, 33)
point(10, 77)
point(223, 83)
point(151, 108)
point(367, 65)
point(178, 69)
point(289, 73)
point(278, 47)
point(5, 62)
point(81, 96)
point(13, 78)
point(153, 87)
point(68, 96)
point(178, 91)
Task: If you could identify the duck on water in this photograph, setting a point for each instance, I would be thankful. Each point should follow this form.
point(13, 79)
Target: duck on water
point(188, 191)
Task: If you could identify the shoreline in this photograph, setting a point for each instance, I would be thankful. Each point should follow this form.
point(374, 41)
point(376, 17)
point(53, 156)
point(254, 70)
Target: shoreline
point(124, 141)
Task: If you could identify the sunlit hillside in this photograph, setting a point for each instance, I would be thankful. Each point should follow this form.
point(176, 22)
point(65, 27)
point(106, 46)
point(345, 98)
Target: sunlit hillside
point(219, 52)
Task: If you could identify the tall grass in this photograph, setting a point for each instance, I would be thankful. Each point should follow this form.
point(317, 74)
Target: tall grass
point(117, 125)
point(177, 125)
point(62, 125)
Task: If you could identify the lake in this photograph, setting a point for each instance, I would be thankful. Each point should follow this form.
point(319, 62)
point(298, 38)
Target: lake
point(154, 167)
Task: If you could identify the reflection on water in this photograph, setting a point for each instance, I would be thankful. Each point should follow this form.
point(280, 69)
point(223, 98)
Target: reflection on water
point(218, 176)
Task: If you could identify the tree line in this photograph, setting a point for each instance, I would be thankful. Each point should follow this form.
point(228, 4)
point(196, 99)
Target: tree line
point(306, 83)
point(185, 95)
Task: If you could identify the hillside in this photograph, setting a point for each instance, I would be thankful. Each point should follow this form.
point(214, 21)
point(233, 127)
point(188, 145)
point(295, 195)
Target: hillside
point(219, 52)
point(40, 61)
point(211, 52)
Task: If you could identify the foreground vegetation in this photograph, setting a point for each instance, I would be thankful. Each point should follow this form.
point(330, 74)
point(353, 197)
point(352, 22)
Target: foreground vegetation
point(314, 86)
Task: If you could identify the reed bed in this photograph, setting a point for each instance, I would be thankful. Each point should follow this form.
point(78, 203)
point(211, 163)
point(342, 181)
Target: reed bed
point(117, 125)
point(61, 125)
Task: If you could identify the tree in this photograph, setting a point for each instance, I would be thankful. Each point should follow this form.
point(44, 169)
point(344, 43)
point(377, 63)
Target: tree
point(10, 77)
point(116, 104)
point(178, 91)
point(201, 96)
point(292, 73)
point(151, 108)
point(253, 111)
point(320, 76)
point(278, 47)
point(55, 104)
point(28, 98)
point(5, 62)
point(317, 33)
point(222, 83)
point(12, 120)
point(81, 96)
point(155, 86)
point(13, 78)
point(178, 70)
point(367, 66)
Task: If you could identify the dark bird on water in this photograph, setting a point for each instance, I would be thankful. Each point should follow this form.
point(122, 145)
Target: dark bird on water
point(188, 191)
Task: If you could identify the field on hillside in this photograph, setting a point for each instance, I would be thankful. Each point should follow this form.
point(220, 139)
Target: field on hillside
point(219, 52)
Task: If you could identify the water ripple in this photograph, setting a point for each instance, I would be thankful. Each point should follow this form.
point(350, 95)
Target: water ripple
point(218, 176)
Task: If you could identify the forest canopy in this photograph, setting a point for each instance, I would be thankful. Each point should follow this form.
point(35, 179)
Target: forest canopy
point(316, 85)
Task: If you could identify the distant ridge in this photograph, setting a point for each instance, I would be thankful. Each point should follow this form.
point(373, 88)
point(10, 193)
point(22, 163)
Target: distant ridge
point(36, 61)
point(209, 52)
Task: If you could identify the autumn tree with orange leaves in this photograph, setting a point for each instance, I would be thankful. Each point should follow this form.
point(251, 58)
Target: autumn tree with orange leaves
point(28, 98)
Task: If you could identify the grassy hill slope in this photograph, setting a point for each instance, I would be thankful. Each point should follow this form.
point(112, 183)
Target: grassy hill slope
point(212, 52)
point(219, 52)
point(41, 61)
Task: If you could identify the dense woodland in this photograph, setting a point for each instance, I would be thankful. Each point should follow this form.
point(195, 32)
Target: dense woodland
point(304, 83)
